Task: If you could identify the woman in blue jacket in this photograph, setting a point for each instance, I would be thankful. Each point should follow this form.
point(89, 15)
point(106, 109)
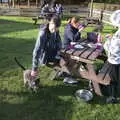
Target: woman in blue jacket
point(72, 32)
point(48, 45)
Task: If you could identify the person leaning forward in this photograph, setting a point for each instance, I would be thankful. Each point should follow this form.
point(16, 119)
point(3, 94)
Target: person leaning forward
point(48, 45)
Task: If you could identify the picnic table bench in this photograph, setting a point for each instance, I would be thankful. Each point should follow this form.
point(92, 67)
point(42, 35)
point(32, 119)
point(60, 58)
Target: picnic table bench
point(43, 16)
point(81, 62)
point(35, 19)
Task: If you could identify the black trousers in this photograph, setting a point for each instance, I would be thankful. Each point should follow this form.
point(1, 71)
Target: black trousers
point(115, 77)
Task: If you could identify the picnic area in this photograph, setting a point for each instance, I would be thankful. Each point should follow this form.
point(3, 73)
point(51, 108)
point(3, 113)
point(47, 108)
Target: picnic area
point(54, 99)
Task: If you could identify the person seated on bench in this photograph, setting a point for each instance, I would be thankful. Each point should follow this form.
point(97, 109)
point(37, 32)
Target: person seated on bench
point(45, 9)
point(45, 12)
point(72, 32)
point(59, 9)
point(112, 46)
point(47, 46)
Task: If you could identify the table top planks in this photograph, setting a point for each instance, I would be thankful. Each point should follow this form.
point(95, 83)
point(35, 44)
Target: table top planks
point(86, 54)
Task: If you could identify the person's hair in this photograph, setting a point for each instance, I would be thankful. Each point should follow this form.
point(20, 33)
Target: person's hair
point(73, 20)
point(56, 20)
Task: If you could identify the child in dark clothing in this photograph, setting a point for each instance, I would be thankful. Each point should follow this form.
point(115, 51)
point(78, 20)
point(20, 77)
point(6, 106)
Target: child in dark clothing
point(47, 46)
point(72, 32)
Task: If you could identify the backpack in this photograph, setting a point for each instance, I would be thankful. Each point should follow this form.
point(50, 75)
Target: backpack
point(92, 37)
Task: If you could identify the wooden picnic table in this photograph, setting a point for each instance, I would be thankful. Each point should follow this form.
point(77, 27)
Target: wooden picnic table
point(81, 62)
point(43, 16)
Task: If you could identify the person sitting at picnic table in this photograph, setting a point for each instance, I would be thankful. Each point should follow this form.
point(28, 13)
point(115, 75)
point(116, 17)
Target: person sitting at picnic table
point(59, 9)
point(45, 12)
point(45, 9)
point(112, 46)
point(48, 45)
point(72, 32)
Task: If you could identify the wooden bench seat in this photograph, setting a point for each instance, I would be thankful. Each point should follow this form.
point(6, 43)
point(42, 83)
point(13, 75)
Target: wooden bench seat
point(35, 19)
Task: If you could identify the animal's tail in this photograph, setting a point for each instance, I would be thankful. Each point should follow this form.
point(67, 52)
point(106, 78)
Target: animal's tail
point(19, 63)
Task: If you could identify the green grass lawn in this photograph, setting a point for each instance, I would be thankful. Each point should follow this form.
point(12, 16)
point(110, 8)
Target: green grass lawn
point(55, 101)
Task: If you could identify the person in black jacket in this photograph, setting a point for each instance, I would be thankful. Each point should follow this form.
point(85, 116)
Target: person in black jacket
point(72, 32)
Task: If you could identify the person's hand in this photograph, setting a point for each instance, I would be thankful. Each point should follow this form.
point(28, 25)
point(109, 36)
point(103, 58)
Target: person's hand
point(81, 28)
point(34, 73)
point(108, 36)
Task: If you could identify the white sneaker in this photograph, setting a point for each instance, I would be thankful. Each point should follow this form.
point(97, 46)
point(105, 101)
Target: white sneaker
point(70, 80)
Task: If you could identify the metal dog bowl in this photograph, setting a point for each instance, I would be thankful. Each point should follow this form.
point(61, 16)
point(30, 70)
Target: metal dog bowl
point(70, 80)
point(84, 95)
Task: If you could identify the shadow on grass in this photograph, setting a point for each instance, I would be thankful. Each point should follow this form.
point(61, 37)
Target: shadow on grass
point(17, 47)
point(7, 26)
point(48, 104)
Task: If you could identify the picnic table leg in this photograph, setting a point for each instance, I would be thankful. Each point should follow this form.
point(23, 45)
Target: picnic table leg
point(97, 89)
point(93, 77)
point(35, 22)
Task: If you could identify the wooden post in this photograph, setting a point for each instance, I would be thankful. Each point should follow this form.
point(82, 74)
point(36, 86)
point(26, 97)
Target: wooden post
point(9, 3)
point(91, 8)
point(13, 3)
point(28, 3)
point(102, 11)
point(19, 3)
point(36, 3)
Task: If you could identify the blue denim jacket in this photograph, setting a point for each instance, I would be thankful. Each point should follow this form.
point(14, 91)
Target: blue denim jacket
point(46, 48)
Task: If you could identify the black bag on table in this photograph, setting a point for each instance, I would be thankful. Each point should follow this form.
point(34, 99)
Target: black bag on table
point(92, 37)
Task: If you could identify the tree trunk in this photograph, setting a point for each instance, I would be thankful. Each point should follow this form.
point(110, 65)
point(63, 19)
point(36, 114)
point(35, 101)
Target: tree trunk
point(13, 3)
point(36, 3)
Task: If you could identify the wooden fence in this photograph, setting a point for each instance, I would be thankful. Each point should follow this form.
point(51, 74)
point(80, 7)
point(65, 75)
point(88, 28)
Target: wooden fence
point(10, 11)
point(31, 12)
point(106, 15)
point(68, 10)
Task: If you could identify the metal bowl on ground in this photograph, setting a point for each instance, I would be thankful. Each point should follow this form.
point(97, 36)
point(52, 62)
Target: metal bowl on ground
point(84, 95)
point(70, 80)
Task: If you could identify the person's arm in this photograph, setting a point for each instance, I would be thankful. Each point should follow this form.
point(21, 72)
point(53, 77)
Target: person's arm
point(39, 46)
point(114, 48)
point(69, 37)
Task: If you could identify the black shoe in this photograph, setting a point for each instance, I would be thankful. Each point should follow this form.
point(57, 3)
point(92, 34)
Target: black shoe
point(111, 100)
